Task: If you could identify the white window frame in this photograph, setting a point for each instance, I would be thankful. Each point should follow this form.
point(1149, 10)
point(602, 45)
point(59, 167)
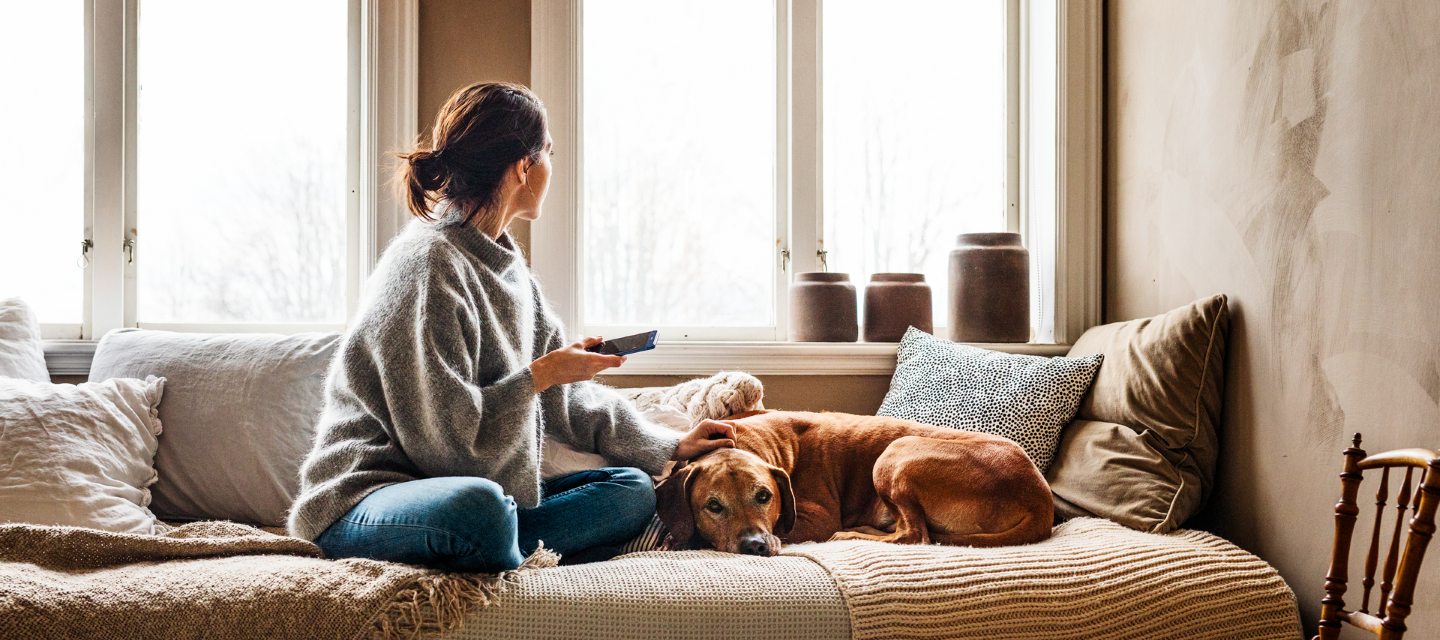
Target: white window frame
point(1069, 258)
point(383, 95)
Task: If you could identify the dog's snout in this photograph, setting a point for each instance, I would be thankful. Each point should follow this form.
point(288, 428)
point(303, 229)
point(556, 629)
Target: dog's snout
point(754, 545)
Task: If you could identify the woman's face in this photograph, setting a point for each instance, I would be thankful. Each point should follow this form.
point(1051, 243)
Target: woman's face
point(537, 183)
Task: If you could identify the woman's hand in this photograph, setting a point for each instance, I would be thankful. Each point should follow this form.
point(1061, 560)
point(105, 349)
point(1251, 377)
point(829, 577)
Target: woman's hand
point(571, 364)
point(707, 436)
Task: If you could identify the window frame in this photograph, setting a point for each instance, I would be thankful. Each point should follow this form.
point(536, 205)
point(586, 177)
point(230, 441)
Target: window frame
point(383, 53)
point(1065, 243)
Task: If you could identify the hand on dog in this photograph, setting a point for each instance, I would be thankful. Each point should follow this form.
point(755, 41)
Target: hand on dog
point(571, 364)
point(707, 436)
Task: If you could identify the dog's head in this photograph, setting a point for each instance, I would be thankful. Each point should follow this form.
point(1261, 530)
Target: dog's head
point(730, 499)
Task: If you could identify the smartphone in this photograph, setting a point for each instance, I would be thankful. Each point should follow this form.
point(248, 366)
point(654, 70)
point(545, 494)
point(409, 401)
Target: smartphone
point(626, 345)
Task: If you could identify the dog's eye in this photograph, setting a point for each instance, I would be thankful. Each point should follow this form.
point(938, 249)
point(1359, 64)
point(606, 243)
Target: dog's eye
point(762, 497)
point(714, 506)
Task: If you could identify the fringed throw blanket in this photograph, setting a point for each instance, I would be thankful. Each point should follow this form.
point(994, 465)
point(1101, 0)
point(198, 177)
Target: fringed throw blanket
point(1092, 579)
point(221, 580)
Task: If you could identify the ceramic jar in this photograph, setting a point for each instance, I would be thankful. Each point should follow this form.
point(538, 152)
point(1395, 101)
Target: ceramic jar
point(822, 308)
point(895, 302)
point(989, 288)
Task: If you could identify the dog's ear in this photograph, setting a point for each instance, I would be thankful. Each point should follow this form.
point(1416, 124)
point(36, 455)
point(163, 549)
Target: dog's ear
point(786, 523)
point(672, 504)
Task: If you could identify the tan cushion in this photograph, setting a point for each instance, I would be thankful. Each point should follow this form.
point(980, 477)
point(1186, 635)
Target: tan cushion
point(1112, 471)
point(1163, 378)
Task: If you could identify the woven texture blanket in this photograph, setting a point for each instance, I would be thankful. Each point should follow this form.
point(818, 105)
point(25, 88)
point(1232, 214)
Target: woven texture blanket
point(1092, 579)
point(674, 595)
point(220, 580)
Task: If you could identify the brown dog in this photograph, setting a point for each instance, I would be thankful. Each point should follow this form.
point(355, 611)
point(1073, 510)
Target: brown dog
point(810, 477)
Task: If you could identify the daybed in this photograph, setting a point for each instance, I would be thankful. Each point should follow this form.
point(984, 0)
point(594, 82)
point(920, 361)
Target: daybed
point(1132, 574)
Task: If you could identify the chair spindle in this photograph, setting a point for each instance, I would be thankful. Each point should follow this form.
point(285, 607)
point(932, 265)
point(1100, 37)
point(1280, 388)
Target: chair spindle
point(1422, 529)
point(1373, 554)
point(1333, 603)
point(1402, 503)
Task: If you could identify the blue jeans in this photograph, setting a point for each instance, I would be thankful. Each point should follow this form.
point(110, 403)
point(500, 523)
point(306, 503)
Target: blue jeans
point(468, 524)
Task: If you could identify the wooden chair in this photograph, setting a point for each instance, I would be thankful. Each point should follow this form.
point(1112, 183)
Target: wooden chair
point(1395, 598)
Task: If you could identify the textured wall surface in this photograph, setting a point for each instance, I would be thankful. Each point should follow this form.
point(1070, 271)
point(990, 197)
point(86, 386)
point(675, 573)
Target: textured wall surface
point(467, 41)
point(1287, 153)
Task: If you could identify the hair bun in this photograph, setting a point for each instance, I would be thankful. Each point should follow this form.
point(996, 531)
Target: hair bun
point(430, 168)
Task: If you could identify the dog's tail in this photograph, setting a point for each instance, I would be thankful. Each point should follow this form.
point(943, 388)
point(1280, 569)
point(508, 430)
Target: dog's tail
point(1031, 529)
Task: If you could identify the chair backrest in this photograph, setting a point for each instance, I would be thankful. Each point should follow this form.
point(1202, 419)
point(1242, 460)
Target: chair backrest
point(1420, 493)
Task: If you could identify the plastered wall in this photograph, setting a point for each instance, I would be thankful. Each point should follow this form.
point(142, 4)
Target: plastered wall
point(1287, 153)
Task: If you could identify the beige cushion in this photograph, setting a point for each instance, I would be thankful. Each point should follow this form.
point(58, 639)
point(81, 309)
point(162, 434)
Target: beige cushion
point(1163, 380)
point(240, 412)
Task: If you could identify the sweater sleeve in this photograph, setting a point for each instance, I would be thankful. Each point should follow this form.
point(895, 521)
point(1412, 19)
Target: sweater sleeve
point(446, 421)
point(594, 418)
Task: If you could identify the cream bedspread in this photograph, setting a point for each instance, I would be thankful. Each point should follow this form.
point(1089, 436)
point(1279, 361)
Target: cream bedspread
point(1093, 579)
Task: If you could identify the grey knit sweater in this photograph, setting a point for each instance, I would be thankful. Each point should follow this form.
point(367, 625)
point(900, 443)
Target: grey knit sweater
point(433, 379)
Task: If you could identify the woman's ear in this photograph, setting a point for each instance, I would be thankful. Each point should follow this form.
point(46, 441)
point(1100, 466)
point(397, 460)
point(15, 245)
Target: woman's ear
point(520, 170)
point(672, 504)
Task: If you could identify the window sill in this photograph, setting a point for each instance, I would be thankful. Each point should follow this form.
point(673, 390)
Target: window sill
point(788, 358)
point(69, 357)
point(72, 357)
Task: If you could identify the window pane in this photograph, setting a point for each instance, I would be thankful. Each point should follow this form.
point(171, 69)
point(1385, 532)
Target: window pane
point(42, 156)
point(914, 113)
point(242, 161)
point(679, 149)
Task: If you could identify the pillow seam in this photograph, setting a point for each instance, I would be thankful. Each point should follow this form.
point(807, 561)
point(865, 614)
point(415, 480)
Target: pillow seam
point(1204, 382)
point(1174, 499)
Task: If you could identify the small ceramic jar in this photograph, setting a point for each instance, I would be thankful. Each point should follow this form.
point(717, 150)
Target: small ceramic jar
point(822, 308)
point(989, 288)
point(895, 302)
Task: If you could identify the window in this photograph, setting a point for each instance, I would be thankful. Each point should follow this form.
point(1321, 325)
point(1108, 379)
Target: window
point(42, 153)
point(679, 179)
point(242, 162)
point(715, 149)
point(914, 134)
point(184, 166)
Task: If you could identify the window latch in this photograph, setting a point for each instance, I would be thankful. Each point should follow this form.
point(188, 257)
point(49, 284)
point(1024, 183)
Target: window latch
point(84, 260)
point(785, 261)
point(130, 251)
point(820, 255)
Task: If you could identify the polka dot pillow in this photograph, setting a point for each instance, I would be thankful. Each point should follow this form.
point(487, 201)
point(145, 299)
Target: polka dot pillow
point(1028, 399)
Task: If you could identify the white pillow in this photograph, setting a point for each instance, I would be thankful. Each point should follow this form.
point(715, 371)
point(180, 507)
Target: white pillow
point(1027, 399)
point(20, 353)
point(79, 455)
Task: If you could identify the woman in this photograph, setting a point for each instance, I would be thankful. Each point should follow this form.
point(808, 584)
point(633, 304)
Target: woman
point(455, 370)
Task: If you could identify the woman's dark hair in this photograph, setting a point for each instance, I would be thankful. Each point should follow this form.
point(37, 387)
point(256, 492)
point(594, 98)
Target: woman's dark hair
point(481, 131)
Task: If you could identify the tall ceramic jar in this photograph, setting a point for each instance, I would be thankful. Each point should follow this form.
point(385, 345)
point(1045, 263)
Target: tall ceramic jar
point(822, 308)
point(989, 288)
point(895, 302)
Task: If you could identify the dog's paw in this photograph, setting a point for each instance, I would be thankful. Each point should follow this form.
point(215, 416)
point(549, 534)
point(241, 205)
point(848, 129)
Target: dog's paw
point(850, 535)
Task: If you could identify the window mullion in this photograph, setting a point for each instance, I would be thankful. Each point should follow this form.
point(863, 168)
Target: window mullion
point(105, 165)
point(806, 178)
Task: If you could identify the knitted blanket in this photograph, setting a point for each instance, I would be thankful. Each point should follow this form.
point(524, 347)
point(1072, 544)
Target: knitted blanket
point(1092, 579)
point(220, 580)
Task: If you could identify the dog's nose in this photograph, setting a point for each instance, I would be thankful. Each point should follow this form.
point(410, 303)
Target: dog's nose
point(754, 546)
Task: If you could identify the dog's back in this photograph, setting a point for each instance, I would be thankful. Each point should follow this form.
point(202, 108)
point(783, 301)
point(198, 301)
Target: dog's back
point(832, 459)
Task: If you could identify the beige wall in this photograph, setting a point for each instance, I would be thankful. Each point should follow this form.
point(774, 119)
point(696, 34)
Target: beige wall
point(1287, 153)
point(467, 41)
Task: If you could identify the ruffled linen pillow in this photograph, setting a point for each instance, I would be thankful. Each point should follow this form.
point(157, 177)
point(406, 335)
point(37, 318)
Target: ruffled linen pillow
point(80, 455)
